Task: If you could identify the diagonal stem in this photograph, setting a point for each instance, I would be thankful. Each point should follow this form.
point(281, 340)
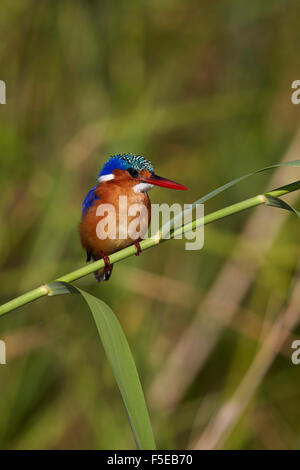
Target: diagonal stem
point(43, 290)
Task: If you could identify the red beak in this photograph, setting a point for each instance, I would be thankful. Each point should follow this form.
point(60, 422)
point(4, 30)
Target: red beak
point(164, 182)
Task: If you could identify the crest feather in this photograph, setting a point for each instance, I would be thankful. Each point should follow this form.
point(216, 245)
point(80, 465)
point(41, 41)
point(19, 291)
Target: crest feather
point(125, 161)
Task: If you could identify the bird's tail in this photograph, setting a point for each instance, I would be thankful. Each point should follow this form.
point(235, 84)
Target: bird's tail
point(103, 274)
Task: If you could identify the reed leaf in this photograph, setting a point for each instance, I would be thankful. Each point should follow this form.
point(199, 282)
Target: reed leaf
point(121, 361)
point(167, 228)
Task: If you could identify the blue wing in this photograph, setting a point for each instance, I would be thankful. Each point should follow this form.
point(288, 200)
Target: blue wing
point(89, 200)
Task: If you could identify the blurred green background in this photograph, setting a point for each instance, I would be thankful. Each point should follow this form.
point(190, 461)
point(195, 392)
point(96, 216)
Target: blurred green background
point(203, 90)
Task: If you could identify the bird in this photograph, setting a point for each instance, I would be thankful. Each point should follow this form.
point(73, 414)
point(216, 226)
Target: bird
point(126, 175)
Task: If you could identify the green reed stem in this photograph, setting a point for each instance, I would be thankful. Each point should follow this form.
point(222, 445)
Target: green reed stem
point(145, 245)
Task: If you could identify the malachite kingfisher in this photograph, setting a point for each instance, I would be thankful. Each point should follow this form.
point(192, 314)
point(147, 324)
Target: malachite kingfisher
point(122, 175)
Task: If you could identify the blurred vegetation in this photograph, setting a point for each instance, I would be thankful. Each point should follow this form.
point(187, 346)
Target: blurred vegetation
point(203, 90)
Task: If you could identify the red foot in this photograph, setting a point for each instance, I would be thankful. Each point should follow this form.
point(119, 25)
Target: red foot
point(106, 261)
point(138, 248)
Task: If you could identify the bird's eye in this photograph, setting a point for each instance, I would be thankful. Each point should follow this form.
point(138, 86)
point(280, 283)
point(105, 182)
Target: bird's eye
point(133, 172)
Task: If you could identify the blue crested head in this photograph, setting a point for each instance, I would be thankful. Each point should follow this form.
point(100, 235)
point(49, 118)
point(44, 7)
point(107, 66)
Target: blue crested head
point(117, 162)
point(124, 162)
point(141, 182)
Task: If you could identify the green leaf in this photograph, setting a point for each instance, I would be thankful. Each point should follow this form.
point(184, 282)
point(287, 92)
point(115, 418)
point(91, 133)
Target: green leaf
point(179, 217)
point(241, 178)
point(287, 188)
point(120, 358)
point(276, 202)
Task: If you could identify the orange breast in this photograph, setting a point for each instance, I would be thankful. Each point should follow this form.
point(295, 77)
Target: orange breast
point(105, 227)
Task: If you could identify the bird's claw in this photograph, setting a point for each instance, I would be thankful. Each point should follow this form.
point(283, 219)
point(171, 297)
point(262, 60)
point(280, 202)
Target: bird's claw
point(138, 248)
point(106, 261)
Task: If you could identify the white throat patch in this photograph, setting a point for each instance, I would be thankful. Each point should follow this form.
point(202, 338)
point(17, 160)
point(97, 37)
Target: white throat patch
point(142, 187)
point(105, 178)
